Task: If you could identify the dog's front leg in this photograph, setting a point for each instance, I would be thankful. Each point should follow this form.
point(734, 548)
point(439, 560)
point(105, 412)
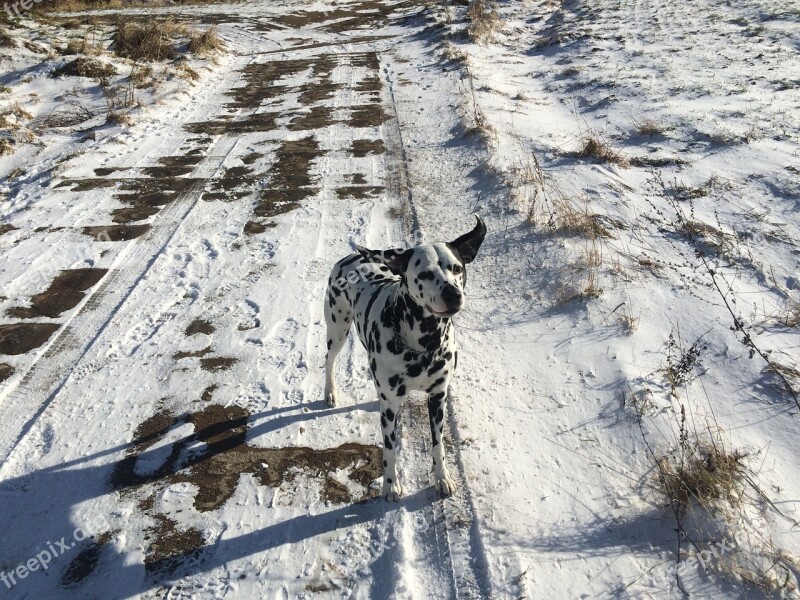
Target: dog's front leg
point(390, 409)
point(437, 396)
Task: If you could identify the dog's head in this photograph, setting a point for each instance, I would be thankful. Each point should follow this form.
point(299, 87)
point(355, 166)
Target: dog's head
point(435, 274)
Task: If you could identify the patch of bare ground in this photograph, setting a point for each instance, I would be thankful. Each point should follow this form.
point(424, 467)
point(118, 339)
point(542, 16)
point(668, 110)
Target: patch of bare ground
point(215, 471)
point(6, 371)
point(291, 180)
point(358, 192)
point(200, 326)
point(115, 233)
point(217, 363)
point(85, 562)
point(19, 338)
point(361, 148)
point(64, 293)
point(186, 354)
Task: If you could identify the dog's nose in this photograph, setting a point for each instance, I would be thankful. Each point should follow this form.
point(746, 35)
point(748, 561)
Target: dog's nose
point(452, 296)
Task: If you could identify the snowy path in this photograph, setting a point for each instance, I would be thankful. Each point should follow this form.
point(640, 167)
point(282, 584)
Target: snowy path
point(175, 415)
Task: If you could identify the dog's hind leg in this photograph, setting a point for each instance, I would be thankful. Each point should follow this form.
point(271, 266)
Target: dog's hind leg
point(390, 413)
point(338, 317)
point(437, 396)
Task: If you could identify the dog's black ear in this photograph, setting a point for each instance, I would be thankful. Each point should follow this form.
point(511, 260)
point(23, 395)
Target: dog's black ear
point(469, 243)
point(395, 260)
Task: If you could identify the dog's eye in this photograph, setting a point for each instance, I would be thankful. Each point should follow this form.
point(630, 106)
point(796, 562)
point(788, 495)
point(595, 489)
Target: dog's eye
point(457, 269)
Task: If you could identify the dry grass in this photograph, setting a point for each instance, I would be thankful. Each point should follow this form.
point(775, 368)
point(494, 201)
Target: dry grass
point(594, 147)
point(6, 41)
point(649, 127)
point(150, 42)
point(6, 146)
point(484, 20)
point(790, 316)
point(703, 474)
point(567, 218)
point(206, 43)
point(86, 67)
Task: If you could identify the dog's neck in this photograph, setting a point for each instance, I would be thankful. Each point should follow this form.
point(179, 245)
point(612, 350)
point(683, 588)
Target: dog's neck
point(416, 329)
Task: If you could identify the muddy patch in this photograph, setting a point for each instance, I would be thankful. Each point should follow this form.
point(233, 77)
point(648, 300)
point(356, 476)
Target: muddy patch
point(291, 180)
point(359, 192)
point(172, 166)
point(221, 432)
point(115, 233)
point(200, 326)
point(169, 547)
point(197, 354)
point(6, 371)
point(254, 227)
point(367, 115)
point(317, 117)
point(20, 338)
point(235, 183)
point(217, 363)
point(64, 293)
point(361, 148)
point(85, 562)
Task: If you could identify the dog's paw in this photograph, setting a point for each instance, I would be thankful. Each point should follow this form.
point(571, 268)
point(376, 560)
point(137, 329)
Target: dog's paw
point(330, 398)
point(392, 491)
point(445, 485)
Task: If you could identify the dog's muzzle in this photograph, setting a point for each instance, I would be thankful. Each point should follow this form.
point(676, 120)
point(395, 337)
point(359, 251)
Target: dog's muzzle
point(453, 299)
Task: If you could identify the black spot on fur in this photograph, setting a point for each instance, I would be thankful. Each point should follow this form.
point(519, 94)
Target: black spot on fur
point(330, 343)
point(389, 414)
point(386, 443)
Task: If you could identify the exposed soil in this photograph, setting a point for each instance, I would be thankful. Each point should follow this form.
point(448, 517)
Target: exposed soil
point(85, 562)
point(115, 233)
point(197, 354)
point(173, 166)
point(254, 227)
point(216, 471)
point(359, 192)
point(20, 338)
point(316, 118)
point(217, 363)
point(291, 179)
point(235, 183)
point(64, 293)
point(367, 115)
point(200, 326)
point(167, 542)
point(5, 228)
point(361, 148)
point(6, 371)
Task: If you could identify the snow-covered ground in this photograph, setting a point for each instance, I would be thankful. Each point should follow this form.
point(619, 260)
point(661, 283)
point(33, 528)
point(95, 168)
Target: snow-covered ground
point(162, 427)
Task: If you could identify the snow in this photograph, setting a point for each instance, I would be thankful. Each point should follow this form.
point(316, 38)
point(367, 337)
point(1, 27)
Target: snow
point(126, 425)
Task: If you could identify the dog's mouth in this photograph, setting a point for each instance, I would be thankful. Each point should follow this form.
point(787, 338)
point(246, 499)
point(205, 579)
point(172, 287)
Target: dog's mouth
point(445, 313)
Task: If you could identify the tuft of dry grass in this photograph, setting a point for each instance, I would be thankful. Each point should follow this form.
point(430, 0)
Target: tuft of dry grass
point(593, 147)
point(704, 474)
point(206, 43)
point(6, 146)
point(86, 67)
point(6, 41)
point(568, 218)
point(153, 41)
point(484, 20)
point(649, 127)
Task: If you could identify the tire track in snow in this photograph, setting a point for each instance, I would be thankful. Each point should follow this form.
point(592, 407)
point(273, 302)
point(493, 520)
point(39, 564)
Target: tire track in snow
point(447, 548)
point(24, 403)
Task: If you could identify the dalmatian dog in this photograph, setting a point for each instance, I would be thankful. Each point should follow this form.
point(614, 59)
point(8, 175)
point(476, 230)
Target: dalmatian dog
point(402, 303)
